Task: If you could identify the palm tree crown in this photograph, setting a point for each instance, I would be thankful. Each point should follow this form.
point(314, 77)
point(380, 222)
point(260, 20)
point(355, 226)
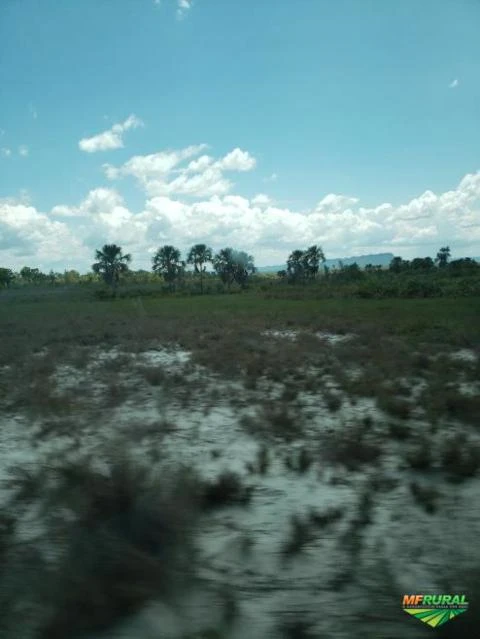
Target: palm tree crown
point(111, 263)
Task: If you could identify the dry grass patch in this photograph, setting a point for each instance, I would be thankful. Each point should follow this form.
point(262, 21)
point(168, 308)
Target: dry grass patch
point(226, 490)
point(460, 456)
point(128, 538)
point(351, 445)
point(277, 420)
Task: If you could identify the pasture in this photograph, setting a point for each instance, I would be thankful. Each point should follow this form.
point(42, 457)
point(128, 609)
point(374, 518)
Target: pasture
point(193, 466)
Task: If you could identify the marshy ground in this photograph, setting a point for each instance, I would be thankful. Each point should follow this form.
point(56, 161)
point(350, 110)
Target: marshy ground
point(231, 466)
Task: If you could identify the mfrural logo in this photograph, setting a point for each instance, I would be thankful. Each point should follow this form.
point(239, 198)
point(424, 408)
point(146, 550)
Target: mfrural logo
point(435, 610)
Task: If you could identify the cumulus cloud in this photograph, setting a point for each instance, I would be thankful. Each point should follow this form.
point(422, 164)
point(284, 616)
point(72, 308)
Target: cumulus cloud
point(160, 174)
point(339, 223)
point(332, 203)
point(183, 7)
point(453, 84)
point(5, 152)
point(111, 139)
point(23, 151)
point(261, 200)
point(28, 236)
point(237, 160)
point(271, 178)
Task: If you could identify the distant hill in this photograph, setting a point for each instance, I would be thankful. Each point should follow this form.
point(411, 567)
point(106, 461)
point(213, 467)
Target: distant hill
point(377, 259)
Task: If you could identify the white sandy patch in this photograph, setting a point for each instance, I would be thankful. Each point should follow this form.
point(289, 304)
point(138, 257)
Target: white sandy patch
point(242, 547)
point(292, 335)
point(465, 355)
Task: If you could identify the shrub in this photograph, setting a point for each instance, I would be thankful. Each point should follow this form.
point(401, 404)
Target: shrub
point(460, 457)
point(425, 496)
point(351, 446)
point(395, 406)
point(419, 456)
point(126, 540)
point(226, 490)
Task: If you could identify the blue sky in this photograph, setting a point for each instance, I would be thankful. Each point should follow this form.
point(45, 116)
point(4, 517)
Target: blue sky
point(350, 124)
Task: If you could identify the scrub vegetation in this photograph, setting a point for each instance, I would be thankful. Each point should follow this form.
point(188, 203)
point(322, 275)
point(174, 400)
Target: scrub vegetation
point(169, 448)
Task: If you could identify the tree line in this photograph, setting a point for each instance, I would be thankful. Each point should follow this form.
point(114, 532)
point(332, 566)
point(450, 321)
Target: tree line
point(231, 267)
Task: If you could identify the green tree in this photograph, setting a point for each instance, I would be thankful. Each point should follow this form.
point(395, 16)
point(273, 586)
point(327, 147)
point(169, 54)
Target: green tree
point(296, 266)
point(443, 256)
point(463, 266)
point(398, 265)
point(199, 256)
point(110, 264)
point(31, 275)
point(233, 266)
point(311, 261)
point(224, 266)
point(72, 277)
point(167, 262)
point(6, 277)
point(421, 263)
point(243, 267)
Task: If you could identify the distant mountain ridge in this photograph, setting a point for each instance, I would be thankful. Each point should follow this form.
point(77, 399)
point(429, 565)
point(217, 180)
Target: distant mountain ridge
point(377, 259)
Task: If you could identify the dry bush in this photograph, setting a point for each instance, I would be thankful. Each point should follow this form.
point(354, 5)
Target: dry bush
point(352, 446)
point(426, 496)
point(153, 375)
point(460, 456)
point(332, 400)
point(300, 535)
point(275, 420)
point(226, 490)
point(395, 406)
point(419, 455)
point(128, 538)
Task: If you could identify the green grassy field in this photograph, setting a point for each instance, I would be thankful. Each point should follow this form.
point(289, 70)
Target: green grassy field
point(32, 321)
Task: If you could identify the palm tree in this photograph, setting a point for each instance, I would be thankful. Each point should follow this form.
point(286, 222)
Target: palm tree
point(296, 266)
point(224, 265)
point(443, 256)
point(199, 255)
point(311, 261)
point(167, 263)
point(110, 264)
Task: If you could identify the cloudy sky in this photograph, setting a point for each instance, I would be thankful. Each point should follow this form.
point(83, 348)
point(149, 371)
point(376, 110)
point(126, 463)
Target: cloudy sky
point(263, 125)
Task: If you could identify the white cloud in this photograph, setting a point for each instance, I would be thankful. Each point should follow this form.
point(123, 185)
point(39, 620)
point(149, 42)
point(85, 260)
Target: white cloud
point(335, 203)
point(160, 174)
point(5, 152)
point(111, 139)
point(33, 111)
point(183, 7)
point(453, 84)
point(199, 165)
point(23, 151)
point(29, 236)
point(271, 178)
point(189, 200)
point(156, 165)
point(237, 160)
point(261, 200)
